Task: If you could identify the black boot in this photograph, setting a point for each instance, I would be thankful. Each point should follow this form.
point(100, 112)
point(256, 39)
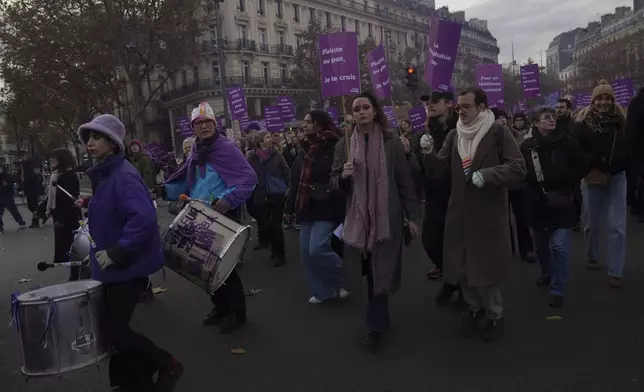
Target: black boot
point(233, 322)
point(493, 330)
point(470, 321)
point(444, 296)
point(215, 317)
point(373, 340)
point(279, 260)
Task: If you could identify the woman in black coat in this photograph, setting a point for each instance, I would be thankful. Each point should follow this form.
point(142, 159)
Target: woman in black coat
point(61, 207)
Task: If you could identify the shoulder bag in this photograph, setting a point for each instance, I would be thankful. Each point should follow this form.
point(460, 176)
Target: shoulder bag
point(596, 177)
point(555, 199)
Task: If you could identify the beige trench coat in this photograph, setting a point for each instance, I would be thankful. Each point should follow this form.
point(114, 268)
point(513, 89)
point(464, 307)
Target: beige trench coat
point(477, 228)
point(386, 256)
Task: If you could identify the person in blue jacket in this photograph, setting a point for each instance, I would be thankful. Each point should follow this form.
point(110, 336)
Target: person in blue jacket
point(216, 171)
point(127, 248)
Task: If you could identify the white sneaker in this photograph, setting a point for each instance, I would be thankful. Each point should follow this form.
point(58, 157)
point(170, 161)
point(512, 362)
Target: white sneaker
point(344, 293)
point(315, 301)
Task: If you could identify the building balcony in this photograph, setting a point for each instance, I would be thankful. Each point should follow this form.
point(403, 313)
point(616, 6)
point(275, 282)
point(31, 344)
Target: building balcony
point(214, 46)
point(282, 49)
point(215, 84)
point(247, 45)
point(260, 82)
point(190, 88)
point(264, 48)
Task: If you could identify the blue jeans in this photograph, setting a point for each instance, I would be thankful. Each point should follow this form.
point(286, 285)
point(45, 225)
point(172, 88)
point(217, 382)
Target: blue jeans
point(606, 203)
point(553, 252)
point(323, 266)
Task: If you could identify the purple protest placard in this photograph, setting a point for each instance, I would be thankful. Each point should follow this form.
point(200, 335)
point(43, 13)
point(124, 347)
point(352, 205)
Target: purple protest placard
point(244, 121)
point(287, 108)
point(273, 117)
point(490, 79)
point(379, 72)
point(582, 99)
point(339, 65)
point(185, 128)
point(623, 89)
point(522, 106)
point(417, 118)
point(444, 36)
point(333, 113)
point(391, 115)
point(530, 81)
point(237, 102)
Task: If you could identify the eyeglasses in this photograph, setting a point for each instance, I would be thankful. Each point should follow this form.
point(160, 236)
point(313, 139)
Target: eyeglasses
point(547, 117)
point(200, 123)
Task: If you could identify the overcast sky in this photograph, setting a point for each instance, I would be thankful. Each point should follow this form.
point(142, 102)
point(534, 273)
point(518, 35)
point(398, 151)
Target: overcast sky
point(532, 24)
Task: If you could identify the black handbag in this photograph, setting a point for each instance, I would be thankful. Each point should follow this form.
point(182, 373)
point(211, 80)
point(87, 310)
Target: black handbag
point(320, 192)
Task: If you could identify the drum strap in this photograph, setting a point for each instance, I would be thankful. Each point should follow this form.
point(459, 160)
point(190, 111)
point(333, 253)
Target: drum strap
point(15, 304)
point(51, 314)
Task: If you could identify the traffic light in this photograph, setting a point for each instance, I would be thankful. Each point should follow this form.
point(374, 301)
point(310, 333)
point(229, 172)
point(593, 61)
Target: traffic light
point(412, 78)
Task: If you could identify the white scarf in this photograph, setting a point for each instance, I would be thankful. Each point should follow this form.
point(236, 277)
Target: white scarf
point(470, 135)
point(51, 191)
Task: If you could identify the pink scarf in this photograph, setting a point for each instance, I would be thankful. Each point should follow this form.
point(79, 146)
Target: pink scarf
point(367, 220)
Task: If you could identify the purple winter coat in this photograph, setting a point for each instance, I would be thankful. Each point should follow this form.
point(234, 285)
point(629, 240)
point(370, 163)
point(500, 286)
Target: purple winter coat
point(123, 221)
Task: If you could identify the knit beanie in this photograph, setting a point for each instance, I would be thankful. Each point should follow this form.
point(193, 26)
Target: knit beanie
point(133, 142)
point(602, 88)
point(253, 126)
point(498, 113)
point(108, 126)
point(203, 111)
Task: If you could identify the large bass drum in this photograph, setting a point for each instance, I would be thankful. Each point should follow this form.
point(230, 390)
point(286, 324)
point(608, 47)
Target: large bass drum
point(60, 327)
point(204, 246)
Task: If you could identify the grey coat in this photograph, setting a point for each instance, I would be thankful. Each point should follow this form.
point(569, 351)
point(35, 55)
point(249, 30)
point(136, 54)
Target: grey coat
point(386, 256)
point(477, 229)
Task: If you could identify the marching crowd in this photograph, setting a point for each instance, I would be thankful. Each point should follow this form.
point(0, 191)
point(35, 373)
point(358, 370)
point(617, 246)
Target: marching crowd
point(362, 185)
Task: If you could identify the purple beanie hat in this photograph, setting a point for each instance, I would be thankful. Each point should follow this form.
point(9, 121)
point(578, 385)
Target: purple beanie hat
point(107, 125)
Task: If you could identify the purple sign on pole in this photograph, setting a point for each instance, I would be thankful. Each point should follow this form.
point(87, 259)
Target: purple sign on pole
point(243, 122)
point(444, 36)
point(551, 99)
point(287, 108)
point(417, 118)
point(185, 128)
point(623, 89)
point(391, 116)
point(262, 125)
point(339, 65)
point(379, 72)
point(333, 113)
point(273, 117)
point(490, 79)
point(582, 99)
point(237, 102)
point(522, 106)
point(530, 81)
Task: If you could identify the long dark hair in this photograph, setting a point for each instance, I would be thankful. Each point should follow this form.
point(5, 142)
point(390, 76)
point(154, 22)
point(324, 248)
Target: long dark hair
point(64, 157)
point(380, 117)
point(322, 119)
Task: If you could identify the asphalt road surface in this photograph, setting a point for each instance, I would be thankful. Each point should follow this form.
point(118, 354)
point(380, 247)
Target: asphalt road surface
point(292, 346)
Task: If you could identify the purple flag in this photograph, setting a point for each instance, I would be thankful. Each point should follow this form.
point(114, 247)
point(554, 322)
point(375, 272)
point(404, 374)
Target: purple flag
point(623, 89)
point(333, 113)
point(391, 115)
point(273, 117)
point(530, 81)
point(287, 108)
point(490, 79)
point(237, 103)
point(185, 128)
point(417, 118)
point(379, 72)
point(444, 36)
point(339, 65)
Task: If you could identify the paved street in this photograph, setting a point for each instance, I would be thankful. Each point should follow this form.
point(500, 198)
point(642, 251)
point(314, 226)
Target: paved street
point(291, 346)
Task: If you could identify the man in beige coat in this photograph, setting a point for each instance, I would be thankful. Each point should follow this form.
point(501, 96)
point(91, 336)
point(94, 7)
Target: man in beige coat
point(481, 159)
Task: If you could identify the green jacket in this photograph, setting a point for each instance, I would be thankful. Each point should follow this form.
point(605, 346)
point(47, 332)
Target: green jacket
point(145, 166)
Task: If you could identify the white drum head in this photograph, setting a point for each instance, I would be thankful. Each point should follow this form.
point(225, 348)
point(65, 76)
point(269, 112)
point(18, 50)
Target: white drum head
point(59, 290)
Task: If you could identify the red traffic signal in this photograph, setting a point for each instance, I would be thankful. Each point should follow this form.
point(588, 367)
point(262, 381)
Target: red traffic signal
point(411, 70)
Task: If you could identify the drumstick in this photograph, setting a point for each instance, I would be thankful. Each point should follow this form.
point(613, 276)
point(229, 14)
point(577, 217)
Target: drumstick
point(65, 192)
point(43, 266)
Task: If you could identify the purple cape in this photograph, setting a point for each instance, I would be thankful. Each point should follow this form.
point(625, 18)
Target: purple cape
point(231, 165)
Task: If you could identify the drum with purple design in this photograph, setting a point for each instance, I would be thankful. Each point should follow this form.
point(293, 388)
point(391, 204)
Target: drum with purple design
point(204, 246)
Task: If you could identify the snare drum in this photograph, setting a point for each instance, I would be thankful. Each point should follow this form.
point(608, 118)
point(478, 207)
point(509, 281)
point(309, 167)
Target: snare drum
point(81, 245)
point(203, 245)
point(60, 327)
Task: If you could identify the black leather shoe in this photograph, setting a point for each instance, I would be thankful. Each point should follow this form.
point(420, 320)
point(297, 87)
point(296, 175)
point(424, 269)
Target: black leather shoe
point(555, 301)
point(470, 321)
point(493, 330)
point(373, 340)
point(232, 323)
point(214, 318)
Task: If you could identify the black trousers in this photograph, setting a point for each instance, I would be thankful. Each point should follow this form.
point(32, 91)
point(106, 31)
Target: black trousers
point(269, 218)
point(136, 357)
point(520, 208)
point(432, 239)
point(378, 304)
point(635, 187)
point(230, 298)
